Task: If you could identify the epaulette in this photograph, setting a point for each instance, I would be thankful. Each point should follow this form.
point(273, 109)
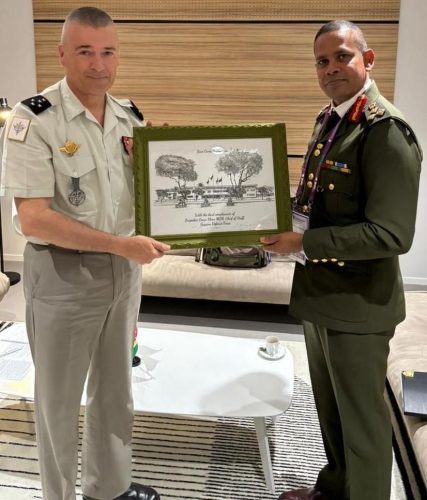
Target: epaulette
point(375, 114)
point(37, 104)
point(135, 110)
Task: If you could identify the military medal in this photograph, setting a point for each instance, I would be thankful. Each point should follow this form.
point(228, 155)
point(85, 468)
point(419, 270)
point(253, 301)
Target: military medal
point(77, 196)
point(336, 166)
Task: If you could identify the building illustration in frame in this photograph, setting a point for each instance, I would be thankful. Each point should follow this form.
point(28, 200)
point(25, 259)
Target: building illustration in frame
point(199, 186)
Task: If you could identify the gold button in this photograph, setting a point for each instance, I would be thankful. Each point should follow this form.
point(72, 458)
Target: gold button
point(341, 263)
point(310, 177)
point(319, 146)
point(309, 184)
point(315, 261)
point(333, 259)
point(324, 260)
point(331, 187)
point(316, 152)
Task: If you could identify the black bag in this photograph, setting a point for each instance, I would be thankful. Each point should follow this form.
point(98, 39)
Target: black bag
point(240, 257)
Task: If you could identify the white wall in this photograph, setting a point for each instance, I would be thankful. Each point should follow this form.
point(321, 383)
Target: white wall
point(411, 98)
point(17, 81)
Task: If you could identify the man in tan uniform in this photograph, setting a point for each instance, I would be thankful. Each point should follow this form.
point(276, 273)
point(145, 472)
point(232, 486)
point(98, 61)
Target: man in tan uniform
point(358, 195)
point(72, 181)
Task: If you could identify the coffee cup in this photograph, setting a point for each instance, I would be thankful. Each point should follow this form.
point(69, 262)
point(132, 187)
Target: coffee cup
point(272, 345)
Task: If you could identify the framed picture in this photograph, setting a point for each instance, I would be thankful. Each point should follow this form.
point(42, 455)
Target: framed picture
point(211, 186)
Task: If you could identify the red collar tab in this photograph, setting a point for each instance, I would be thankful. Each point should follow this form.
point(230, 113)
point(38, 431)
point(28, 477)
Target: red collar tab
point(357, 109)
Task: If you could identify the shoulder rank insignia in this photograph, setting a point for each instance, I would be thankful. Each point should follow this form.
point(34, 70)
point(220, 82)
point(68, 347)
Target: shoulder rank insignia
point(357, 109)
point(374, 111)
point(136, 110)
point(37, 104)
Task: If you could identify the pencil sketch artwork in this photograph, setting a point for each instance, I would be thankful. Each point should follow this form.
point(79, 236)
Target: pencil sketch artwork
point(211, 185)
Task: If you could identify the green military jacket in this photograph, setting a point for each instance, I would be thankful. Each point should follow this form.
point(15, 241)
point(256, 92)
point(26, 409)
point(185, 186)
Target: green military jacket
point(362, 218)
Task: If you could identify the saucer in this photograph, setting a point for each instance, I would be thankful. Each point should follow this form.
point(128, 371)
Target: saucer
point(279, 355)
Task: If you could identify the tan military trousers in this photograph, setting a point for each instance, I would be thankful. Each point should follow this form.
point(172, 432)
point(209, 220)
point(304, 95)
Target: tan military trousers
point(81, 312)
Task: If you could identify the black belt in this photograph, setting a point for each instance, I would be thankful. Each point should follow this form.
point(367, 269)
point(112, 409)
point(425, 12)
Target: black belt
point(55, 248)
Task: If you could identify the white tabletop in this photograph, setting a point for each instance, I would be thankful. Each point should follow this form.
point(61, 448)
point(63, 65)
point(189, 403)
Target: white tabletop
point(199, 374)
point(187, 373)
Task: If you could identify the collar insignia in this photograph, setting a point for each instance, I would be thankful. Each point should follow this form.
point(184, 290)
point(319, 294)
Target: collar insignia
point(357, 109)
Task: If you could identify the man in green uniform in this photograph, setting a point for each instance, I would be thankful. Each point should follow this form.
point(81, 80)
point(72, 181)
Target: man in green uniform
point(357, 199)
point(66, 165)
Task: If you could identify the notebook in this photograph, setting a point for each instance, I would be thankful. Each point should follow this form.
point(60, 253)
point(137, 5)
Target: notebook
point(414, 393)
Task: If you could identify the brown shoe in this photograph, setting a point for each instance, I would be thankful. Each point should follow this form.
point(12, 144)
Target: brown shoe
point(303, 494)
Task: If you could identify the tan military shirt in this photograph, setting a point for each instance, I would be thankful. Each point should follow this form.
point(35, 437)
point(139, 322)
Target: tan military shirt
point(38, 164)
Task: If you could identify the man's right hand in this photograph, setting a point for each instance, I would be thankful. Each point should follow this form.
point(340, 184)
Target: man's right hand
point(141, 249)
point(39, 221)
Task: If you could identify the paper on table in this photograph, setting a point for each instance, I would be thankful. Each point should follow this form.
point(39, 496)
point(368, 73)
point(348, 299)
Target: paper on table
point(15, 333)
point(15, 360)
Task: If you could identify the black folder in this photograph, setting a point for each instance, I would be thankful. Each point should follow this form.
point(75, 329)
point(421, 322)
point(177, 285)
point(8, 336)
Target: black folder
point(414, 392)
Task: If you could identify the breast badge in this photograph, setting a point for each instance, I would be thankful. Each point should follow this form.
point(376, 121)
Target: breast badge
point(69, 148)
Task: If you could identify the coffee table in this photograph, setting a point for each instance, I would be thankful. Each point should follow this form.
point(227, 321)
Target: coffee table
point(197, 374)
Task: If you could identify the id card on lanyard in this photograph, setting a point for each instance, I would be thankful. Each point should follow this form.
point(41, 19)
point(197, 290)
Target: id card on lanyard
point(300, 223)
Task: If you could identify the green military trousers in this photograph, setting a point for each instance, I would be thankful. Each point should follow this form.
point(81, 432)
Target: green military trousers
point(348, 374)
point(81, 313)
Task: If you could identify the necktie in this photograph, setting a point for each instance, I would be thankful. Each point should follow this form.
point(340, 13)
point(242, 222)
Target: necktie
point(332, 121)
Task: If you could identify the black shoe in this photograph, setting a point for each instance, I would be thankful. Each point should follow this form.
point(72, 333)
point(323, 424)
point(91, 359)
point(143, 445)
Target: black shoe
point(137, 492)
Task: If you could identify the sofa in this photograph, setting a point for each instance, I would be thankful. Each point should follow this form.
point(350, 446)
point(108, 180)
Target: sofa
point(408, 351)
point(178, 275)
point(4, 284)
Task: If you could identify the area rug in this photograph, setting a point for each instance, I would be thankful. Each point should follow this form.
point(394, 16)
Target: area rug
point(185, 458)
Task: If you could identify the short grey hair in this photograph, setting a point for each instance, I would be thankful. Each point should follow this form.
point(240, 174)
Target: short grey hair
point(89, 16)
point(341, 24)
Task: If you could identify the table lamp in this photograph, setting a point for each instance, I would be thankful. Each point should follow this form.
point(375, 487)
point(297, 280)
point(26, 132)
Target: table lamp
point(13, 277)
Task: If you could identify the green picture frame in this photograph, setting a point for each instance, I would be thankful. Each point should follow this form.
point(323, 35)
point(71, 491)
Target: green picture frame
point(210, 186)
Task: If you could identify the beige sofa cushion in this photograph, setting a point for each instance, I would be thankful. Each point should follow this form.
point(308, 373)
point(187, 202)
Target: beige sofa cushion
point(182, 277)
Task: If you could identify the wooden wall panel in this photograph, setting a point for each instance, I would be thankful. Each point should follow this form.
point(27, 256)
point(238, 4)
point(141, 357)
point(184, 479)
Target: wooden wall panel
point(275, 10)
point(222, 73)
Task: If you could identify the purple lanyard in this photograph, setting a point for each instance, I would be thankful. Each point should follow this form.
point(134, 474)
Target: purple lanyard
point(322, 156)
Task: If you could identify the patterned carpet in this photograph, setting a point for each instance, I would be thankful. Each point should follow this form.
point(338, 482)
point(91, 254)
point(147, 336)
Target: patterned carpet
point(183, 458)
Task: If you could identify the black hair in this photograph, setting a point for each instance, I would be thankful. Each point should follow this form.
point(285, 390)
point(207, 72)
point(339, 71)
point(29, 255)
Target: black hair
point(341, 24)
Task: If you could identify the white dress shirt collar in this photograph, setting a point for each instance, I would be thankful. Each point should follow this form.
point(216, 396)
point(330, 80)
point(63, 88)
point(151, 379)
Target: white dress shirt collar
point(342, 108)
